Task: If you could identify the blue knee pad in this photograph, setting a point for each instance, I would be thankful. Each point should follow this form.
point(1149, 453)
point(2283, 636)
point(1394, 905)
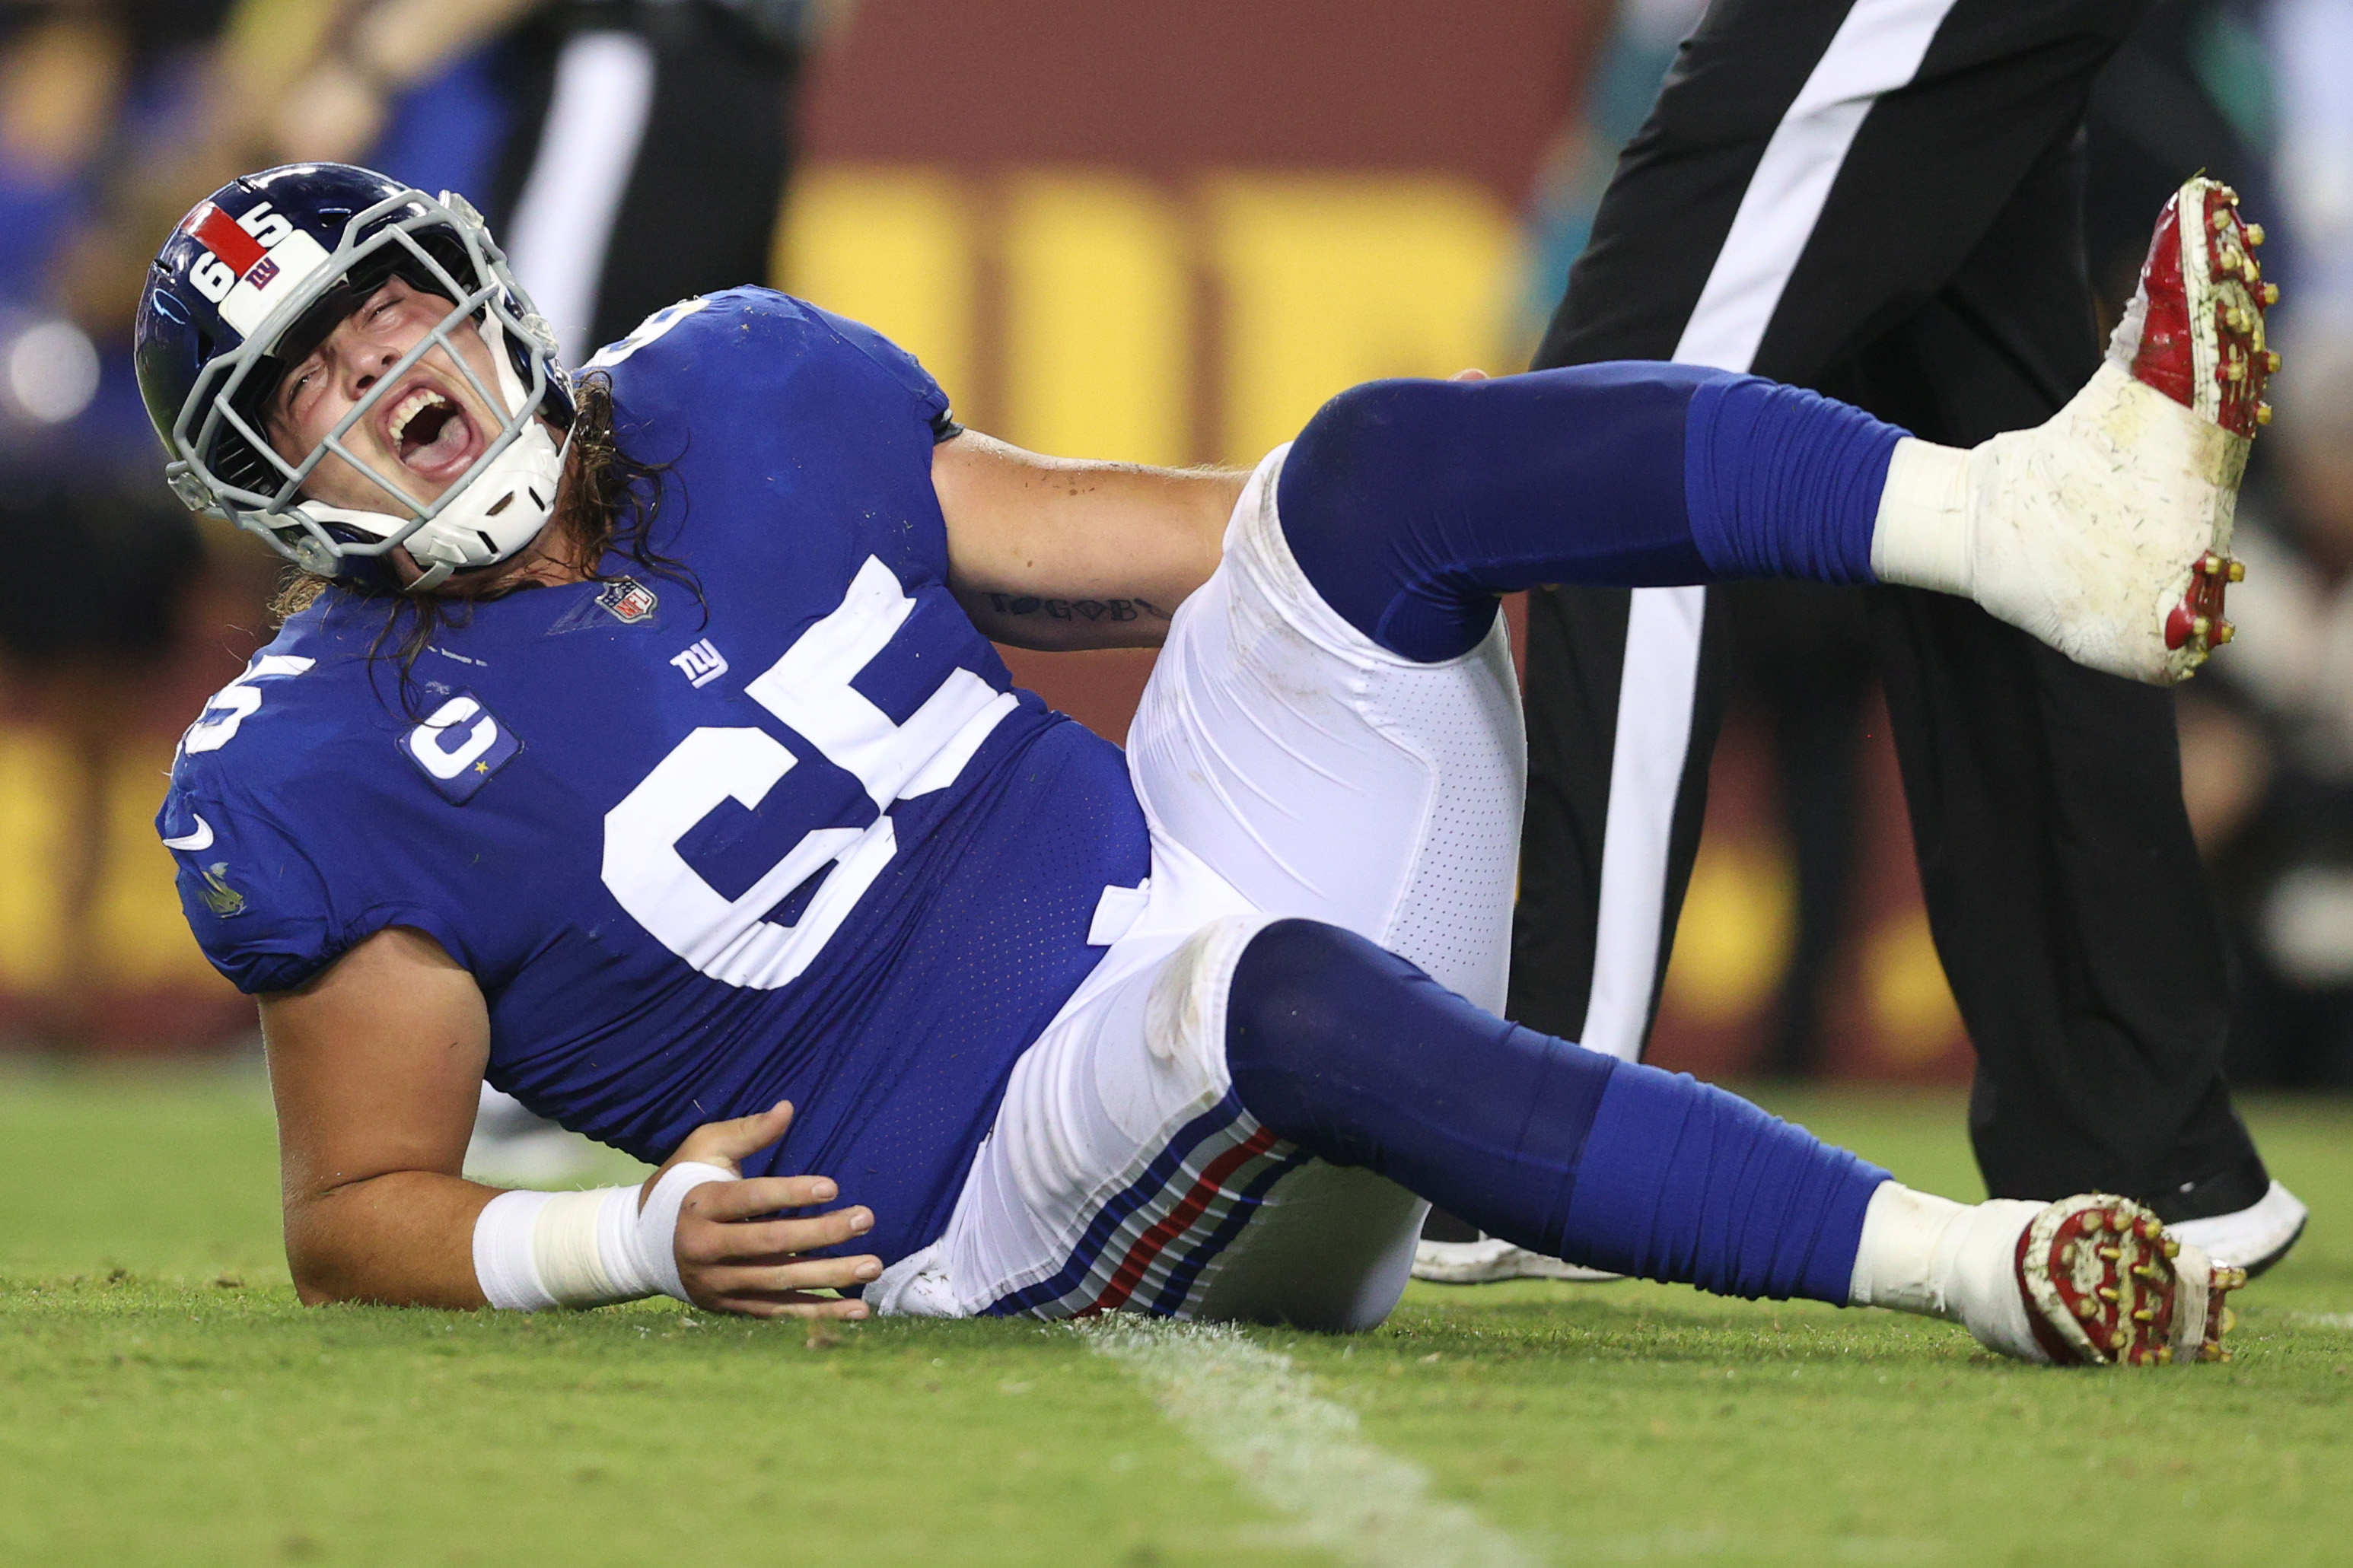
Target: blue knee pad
point(1361, 1059)
point(1411, 504)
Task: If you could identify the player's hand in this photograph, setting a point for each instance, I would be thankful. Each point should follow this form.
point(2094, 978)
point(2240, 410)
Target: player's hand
point(1473, 374)
point(731, 1260)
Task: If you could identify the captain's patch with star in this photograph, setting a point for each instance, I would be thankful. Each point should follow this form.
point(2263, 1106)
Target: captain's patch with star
point(460, 746)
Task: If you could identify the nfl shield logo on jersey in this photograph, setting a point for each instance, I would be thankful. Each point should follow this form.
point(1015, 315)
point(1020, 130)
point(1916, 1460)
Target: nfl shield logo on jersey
point(626, 600)
point(460, 746)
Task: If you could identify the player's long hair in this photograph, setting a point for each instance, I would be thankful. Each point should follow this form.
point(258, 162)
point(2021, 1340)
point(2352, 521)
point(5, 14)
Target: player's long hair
point(609, 505)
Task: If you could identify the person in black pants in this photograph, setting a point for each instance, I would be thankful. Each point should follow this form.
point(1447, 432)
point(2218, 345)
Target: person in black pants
point(1885, 204)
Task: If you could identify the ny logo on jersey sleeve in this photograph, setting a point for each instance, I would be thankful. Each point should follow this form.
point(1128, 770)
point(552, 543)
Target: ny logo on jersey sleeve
point(807, 691)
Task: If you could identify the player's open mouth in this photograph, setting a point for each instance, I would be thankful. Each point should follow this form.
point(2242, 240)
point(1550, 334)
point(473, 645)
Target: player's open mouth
point(430, 433)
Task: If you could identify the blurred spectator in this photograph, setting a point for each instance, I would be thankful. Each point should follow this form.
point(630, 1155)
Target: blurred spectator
point(632, 152)
point(90, 95)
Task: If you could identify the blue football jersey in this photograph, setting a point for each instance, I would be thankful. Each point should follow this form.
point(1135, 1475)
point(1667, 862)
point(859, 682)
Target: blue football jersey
point(774, 827)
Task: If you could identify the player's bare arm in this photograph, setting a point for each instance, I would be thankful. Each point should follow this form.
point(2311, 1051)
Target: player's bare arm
point(1063, 553)
point(1059, 553)
point(377, 1066)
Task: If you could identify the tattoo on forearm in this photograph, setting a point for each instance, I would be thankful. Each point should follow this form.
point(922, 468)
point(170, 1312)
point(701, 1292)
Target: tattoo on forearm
point(1077, 609)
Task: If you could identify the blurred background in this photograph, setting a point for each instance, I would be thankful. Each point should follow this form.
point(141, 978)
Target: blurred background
point(1161, 234)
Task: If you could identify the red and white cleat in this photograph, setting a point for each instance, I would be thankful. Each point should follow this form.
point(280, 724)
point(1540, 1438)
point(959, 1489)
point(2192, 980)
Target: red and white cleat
point(2194, 331)
point(2105, 531)
point(2105, 1286)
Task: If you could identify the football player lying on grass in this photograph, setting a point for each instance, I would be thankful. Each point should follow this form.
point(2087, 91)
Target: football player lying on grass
point(633, 739)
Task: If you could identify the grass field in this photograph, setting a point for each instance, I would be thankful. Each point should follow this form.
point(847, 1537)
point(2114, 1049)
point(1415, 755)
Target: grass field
point(163, 1400)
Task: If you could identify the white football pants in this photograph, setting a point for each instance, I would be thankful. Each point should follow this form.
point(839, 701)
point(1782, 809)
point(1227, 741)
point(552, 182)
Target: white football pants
point(1287, 766)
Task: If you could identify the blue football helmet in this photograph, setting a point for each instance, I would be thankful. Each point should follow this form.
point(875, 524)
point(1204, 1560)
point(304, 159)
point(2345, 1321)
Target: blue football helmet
point(254, 278)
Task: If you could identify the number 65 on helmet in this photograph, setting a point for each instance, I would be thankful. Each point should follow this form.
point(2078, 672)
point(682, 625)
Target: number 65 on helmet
point(254, 278)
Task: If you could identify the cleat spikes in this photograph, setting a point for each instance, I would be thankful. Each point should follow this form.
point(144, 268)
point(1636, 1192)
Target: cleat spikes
point(2254, 233)
point(2223, 632)
point(2124, 1303)
point(2237, 571)
point(2263, 413)
point(2271, 362)
point(2268, 294)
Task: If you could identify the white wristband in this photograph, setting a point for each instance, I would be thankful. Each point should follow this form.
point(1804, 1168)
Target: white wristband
point(537, 1250)
point(656, 1235)
point(503, 1266)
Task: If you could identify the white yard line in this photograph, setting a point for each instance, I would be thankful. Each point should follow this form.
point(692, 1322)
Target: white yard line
point(2340, 1321)
point(1302, 1454)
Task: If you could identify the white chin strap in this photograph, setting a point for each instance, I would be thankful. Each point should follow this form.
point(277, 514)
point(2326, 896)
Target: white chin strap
point(493, 508)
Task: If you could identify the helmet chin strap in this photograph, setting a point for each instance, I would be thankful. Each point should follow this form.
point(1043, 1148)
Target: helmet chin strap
point(493, 510)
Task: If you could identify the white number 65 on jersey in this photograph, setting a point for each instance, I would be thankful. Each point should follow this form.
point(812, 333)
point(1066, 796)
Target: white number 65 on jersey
point(808, 690)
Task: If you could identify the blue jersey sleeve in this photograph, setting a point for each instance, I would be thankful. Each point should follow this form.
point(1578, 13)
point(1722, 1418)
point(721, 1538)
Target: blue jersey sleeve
point(258, 905)
point(894, 361)
point(290, 847)
point(791, 444)
point(269, 914)
point(751, 344)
